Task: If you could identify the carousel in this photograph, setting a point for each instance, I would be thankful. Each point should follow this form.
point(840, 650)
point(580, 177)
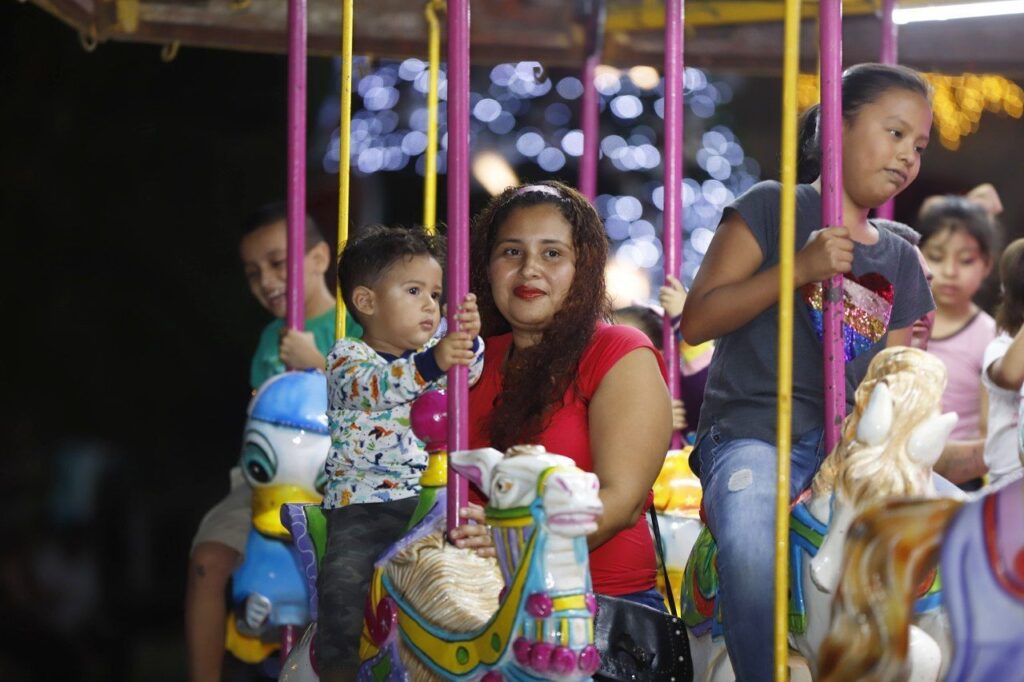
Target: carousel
point(876, 578)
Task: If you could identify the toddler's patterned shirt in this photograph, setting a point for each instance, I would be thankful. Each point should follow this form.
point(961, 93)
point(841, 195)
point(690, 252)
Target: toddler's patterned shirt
point(374, 456)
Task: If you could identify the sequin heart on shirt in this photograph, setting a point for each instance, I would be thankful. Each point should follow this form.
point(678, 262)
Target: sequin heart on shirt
point(867, 306)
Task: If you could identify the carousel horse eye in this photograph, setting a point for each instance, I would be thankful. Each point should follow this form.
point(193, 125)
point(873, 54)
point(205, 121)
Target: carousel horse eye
point(257, 463)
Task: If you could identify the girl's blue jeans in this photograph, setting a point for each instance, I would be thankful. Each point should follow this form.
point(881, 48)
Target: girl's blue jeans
point(738, 477)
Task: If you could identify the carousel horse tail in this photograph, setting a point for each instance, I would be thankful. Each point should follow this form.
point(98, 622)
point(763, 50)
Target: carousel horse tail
point(891, 550)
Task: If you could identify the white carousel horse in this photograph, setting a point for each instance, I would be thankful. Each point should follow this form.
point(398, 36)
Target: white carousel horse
point(284, 447)
point(889, 444)
point(426, 625)
point(893, 548)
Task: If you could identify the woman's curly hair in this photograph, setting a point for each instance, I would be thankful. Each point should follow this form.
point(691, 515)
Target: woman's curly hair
point(537, 378)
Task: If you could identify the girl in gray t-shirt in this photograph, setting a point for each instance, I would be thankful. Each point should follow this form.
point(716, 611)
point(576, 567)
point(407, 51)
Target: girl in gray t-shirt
point(734, 299)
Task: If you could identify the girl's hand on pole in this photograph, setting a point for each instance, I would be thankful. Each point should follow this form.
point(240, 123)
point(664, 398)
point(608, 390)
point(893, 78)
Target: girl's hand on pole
point(672, 297)
point(828, 252)
point(475, 536)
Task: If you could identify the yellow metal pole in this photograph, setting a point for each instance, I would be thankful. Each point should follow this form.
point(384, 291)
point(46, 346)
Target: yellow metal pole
point(344, 147)
point(430, 165)
point(783, 424)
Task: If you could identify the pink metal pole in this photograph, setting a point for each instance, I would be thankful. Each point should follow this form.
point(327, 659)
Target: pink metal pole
point(590, 125)
point(673, 213)
point(830, 46)
point(890, 44)
point(458, 238)
point(296, 161)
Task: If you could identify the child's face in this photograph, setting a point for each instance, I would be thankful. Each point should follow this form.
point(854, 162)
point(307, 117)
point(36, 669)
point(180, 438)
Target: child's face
point(921, 331)
point(265, 260)
point(882, 146)
point(401, 312)
point(958, 267)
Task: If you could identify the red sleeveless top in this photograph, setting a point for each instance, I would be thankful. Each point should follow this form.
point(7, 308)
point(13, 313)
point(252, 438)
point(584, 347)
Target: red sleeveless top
point(625, 563)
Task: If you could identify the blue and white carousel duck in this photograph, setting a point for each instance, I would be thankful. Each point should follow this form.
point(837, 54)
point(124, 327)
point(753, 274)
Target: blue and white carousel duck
point(284, 447)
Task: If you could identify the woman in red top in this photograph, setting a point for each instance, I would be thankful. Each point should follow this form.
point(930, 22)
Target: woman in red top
point(556, 374)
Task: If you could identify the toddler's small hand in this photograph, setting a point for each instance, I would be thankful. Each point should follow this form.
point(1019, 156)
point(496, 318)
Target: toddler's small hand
point(456, 348)
point(298, 350)
point(468, 316)
point(672, 297)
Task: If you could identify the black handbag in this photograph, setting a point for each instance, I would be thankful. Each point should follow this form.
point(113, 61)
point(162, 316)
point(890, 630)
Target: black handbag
point(639, 643)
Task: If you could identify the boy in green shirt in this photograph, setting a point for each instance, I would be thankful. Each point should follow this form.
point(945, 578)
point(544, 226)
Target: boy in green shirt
point(219, 545)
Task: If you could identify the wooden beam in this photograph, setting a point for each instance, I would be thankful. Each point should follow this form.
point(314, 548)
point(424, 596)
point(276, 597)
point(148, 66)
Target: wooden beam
point(546, 31)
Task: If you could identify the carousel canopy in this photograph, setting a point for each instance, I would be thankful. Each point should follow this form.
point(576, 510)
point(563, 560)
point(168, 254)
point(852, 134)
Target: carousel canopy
point(741, 35)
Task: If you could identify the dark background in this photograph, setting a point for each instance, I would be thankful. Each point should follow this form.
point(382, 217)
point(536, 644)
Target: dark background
point(129, 327)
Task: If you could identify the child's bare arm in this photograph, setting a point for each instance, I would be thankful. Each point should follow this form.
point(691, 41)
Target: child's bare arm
point(729, 291)
point(1008, 371)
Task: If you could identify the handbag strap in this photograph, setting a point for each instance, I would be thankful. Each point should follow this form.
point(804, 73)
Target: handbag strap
point(661, 556)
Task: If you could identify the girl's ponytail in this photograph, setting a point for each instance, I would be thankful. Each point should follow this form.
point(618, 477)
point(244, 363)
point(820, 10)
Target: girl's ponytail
point(808, 162)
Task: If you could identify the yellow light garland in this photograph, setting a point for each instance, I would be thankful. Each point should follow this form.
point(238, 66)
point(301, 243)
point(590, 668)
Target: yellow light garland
point(957, 102)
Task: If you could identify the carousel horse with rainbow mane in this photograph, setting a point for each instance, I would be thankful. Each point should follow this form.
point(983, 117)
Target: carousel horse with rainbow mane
point(979, 549)
point(889, 444)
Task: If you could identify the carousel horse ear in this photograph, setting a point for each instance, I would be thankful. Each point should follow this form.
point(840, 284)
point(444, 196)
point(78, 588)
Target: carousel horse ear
point(477, 465)
point(876, 421)
point(928, 439)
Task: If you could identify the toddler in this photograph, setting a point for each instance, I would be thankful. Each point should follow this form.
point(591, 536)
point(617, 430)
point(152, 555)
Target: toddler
point(391, 280)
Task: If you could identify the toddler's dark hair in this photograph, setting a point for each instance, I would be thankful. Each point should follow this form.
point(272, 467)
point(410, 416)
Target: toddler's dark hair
point(644, 319)
point(366, 258)
point(957, 213)
point(268, 214)
point(862, 84)
point(1010, 311)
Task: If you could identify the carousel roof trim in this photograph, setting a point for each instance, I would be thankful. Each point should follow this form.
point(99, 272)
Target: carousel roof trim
point(727, 34)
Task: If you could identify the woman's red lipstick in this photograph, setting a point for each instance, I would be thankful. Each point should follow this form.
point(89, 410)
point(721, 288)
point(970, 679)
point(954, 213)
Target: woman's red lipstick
point(527, 293)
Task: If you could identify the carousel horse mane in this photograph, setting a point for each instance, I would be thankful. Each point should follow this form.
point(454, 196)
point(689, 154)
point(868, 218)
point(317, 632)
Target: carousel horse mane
point(893, 548)
point(896, 546)
point(449, 586)
point(873, 460)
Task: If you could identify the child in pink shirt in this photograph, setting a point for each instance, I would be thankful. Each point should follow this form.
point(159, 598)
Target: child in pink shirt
point(956, 240)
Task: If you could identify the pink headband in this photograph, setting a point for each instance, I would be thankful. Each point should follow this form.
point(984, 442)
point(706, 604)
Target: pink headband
point(544, 189)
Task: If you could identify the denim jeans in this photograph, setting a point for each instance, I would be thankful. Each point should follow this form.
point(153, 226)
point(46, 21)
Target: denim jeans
point(738, 477)
point(651, 597)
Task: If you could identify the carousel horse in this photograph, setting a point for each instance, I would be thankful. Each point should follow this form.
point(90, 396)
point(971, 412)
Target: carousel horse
point(284, 448)
point(888, 447)
point(434, 618)
point(979, 550)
